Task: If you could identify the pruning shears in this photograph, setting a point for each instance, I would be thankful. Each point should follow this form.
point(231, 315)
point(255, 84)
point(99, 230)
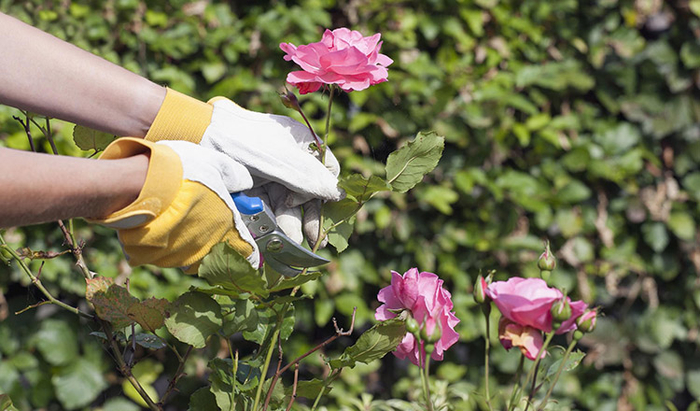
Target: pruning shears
point(280, 252)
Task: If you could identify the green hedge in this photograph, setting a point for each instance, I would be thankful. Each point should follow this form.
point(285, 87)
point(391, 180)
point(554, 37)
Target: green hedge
point(575, 121)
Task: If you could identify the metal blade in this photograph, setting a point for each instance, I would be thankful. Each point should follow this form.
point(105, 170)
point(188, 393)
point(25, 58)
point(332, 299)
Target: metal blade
point(283, 254)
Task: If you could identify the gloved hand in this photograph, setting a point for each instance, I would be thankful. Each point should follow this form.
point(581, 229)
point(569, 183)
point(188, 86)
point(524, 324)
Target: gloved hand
point(184, 207)
point(274, 149)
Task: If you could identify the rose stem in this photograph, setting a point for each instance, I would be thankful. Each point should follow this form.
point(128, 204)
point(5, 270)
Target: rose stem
point(487, 349)
point(532, 374)
point(559, 370)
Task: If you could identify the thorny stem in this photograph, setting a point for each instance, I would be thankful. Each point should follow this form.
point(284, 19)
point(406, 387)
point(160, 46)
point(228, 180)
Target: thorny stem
point(331, 94)
point(559, 370)
point(268, 357)
point(339, 332)
point(425, 370)
point(37, 282)
point(178, 374)
point(27, 130)
point(313, 133)
point(328, 381)
point(487, 349)
point(294, 388)
point(532, 374)
point(235, 377)
point(516, 386)
point(124, 369)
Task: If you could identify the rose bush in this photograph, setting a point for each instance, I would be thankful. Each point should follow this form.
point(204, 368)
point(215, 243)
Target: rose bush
point(528, 301)
point(343, 57)
point(429, 303)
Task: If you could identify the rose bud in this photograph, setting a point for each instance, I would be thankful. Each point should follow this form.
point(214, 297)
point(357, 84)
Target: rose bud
point(561, 310)
point(547, 262)
point(480, 290)
point(586, 322)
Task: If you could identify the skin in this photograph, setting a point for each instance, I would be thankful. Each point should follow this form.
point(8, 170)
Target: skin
point(45, 75)
point(53, 187)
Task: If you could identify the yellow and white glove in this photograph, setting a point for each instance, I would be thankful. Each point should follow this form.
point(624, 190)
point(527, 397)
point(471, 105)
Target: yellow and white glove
point(184, 207)
point(273, 148)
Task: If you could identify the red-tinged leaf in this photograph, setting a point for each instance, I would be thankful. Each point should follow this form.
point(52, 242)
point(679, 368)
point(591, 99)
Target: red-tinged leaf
point(97, 284)
point(150, 314)
point(113, 305)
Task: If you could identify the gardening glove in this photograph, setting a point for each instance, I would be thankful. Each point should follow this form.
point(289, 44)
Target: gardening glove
point(274, 149)
point(184, 207)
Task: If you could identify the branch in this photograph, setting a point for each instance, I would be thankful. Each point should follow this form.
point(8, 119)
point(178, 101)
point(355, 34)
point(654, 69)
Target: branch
point(294, 388)
point(338, 333)
point(178, 374)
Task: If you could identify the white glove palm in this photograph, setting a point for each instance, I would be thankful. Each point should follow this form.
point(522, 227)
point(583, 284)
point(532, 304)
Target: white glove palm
point(275, 150)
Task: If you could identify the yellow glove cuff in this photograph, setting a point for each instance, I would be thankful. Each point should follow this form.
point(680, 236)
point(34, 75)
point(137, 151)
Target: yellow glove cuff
point(180, 117)
point(163, 181)
point(183, 234)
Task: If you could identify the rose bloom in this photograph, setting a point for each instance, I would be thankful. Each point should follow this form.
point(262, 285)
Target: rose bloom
point(343, 57)
point(528, 339)
point(528, 301)
point(429, 303)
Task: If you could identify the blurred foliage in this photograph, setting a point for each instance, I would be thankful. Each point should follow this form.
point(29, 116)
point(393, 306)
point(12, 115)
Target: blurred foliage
point(573, 120)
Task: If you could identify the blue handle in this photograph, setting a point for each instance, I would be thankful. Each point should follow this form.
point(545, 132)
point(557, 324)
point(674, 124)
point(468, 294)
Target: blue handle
point(247, 205)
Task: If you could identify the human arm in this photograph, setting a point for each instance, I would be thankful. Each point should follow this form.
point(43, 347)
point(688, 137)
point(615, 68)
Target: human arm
point(37, 188)
point(43, 74)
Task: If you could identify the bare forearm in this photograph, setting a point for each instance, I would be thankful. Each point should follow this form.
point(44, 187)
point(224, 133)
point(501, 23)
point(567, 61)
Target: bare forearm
point(37, 188)
point(45, 75)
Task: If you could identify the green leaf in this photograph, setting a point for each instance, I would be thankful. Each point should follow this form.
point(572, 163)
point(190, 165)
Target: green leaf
point(113, 305)
point(691, 183)
point(291, 282)
point(150, 314)
point(193, 318)
point(243, 317)
point(339, 236)
point(248, 374)
point(340, 216)
point(225, 267)
point(221, 379)
point(150, 341)
point(373, 344)
point(267, 321)
point(120, 404)
point(574, 192)
point(6, 403)
point(440, 197)
point(57, 342)
point(88, 139)
point(203, 400)
point(655, 235)
point(670, 366)
point(693, 378)
point(694, 6)
point(574, 359)
point(682, 225)
point(146, 372)
point(78, 384)
point(406, 166)
point(308, 389)
point(361, 188)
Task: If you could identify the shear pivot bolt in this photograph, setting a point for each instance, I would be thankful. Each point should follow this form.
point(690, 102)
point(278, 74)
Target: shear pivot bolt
point(275, 245)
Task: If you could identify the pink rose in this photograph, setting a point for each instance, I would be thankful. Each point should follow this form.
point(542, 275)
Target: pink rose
point(429, 303)
point(528, 339)
point(343, 57)
point(528, 301)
